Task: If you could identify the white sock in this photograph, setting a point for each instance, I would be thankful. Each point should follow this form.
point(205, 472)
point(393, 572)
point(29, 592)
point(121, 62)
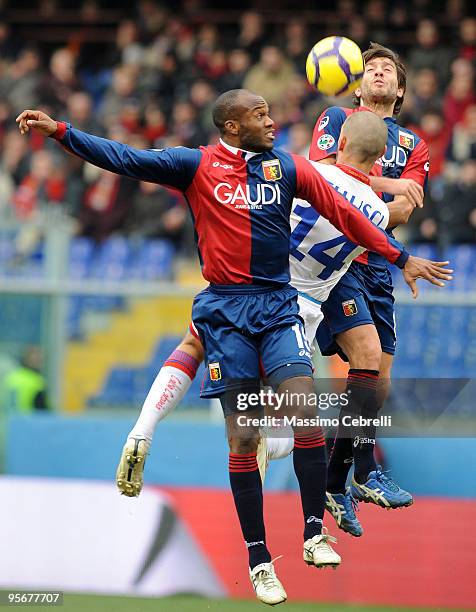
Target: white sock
point(280, 441)
point(279, 447)
point(166, 392)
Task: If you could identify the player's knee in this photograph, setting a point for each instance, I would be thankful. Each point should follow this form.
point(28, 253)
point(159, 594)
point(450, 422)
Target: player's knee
point(242, 446)
point(364, 351)
point(192, 346)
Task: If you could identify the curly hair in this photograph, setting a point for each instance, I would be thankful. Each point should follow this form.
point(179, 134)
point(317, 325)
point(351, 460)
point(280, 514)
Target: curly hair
point(375, 50)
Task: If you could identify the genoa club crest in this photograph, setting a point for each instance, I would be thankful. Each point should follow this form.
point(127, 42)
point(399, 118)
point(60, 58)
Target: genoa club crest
point(272, 170)
point(407, 141)
point(215, 372)
point(350, 308)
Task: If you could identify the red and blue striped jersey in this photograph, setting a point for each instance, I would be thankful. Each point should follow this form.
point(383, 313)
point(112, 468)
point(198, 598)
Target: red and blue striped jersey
point(406, 156)
point(240, 202)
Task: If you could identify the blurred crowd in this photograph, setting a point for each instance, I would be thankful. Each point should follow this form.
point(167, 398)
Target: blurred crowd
point(154, 82)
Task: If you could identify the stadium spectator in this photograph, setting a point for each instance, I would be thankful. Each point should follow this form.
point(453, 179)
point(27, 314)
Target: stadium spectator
point(252, 36)
point(20, 84)
point(271, 76)
point(61, 81)
point(436, 133)
point(105, 205)
point(457, 210)
point(424, 94)
point(238, 65)
point(122, 89)
point(156, 212)
point(467, 33)
point(429, 51)
point(463, 142)
point(460, 92)
point(297, 44)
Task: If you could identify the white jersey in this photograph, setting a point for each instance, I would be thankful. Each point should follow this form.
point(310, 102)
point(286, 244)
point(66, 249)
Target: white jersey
point(319, 253)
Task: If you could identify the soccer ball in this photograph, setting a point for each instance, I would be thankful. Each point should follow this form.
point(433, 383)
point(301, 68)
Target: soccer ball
point(335, 66)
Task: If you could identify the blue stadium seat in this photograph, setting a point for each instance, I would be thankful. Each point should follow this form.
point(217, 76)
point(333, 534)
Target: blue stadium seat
point(153, 260)
point(80, 257)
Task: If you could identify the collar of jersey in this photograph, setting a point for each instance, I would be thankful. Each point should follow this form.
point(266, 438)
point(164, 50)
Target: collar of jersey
point(364, 108)
point(246, 155)
point(354, 173)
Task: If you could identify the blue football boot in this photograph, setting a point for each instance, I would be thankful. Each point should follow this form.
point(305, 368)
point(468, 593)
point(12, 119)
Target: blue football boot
point(342, 507)
point(381, 490)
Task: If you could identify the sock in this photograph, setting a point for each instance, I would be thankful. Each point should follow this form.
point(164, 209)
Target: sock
point(279, 440)
point(168, 389)
point(247, 492)
point(362, 385)
point(310, 466)
point(340, 461)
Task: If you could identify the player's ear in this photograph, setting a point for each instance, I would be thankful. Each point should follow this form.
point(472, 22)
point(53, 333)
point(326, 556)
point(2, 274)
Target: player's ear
point(358, 93)
point(232, 127)
point(341, 143)
point(400, 92)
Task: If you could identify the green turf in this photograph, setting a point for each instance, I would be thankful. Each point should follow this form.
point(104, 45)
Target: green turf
point(97, 603)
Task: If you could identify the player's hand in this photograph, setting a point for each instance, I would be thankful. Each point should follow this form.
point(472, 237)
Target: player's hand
point(435, 272)
point(411, 190)
point(37, 120)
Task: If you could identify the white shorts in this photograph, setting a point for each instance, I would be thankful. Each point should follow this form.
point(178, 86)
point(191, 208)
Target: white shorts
point(311, 313)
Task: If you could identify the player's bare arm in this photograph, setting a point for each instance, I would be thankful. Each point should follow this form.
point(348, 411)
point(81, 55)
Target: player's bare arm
point(400, 210)
point(404, 187)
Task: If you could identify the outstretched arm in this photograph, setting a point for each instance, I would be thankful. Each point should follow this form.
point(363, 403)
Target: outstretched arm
point(175, 167)
point(312, 187)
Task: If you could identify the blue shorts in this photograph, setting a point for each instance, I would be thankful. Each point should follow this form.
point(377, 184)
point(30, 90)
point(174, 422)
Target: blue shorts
point(364, 295)
point(249, 333)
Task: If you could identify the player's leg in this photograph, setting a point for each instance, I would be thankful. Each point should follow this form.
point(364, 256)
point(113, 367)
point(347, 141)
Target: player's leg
point(167, 391)
point(232, 358)
point(280, 439)
point(285, 353)
point(379, 488)
point(347, 316)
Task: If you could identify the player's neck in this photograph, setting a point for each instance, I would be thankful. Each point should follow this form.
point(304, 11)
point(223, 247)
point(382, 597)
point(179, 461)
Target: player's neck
point(381, 110)
point(344, 160)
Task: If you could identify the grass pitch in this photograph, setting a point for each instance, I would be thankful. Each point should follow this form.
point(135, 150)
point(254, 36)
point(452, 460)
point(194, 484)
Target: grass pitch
point(99, 603)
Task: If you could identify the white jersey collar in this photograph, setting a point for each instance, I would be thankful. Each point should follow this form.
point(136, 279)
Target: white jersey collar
point(240, 152)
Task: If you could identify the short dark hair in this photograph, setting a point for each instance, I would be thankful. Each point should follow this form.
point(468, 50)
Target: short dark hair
point(375, 50)
point(226, 108)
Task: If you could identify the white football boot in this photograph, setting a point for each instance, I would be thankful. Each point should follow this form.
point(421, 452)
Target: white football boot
point(129, 475)
point(318, 551)
point(266, 584)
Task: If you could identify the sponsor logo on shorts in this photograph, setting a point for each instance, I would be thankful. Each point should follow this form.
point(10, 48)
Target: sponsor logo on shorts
point(406, 140)
point(325, 142)
point(350, 308)
point(215, 371)
point(272, 170)
point(322, 124)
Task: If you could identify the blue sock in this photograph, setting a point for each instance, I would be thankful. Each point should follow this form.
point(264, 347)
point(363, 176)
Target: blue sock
point(246, 486)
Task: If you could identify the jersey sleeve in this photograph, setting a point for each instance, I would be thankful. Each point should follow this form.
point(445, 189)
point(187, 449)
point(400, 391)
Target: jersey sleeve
point(175, 167)
point(326, 133)
point(311, 186)
point(418, 165)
